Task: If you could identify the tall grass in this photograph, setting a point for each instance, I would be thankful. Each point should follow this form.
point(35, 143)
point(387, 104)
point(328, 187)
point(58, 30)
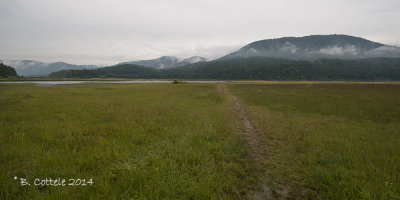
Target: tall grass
point(152, 141)
point(328, 141)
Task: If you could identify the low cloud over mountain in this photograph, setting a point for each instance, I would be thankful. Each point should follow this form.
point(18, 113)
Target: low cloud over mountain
point(36, 68)
point(316, 47)
point(166, 62)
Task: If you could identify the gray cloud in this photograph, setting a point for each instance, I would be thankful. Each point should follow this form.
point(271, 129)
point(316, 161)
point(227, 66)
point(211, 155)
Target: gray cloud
point(108, 32)
point(350, 50)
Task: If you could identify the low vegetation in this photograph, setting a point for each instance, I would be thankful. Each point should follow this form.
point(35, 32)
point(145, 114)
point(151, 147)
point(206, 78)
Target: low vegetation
point(176, 81)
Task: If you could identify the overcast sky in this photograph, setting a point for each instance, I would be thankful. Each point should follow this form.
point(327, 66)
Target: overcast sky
point(110, 31)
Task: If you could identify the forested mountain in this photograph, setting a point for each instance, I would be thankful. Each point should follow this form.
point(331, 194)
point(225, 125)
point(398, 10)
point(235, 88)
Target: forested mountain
point(166, 62)
point(316, 47)
point(257, 68)
point(6, 71)
point(262, 68)
point(316, 57)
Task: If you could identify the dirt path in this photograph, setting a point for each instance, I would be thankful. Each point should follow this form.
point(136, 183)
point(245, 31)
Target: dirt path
point(253, 140)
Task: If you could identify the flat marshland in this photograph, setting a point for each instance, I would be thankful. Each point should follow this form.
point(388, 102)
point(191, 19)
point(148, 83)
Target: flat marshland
point(152, 141)
point(185, 141)
point(328, 141)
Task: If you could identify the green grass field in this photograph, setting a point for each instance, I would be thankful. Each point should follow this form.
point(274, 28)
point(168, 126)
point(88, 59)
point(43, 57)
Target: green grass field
point(185, 141)
point(328, 141)
point(149, 141)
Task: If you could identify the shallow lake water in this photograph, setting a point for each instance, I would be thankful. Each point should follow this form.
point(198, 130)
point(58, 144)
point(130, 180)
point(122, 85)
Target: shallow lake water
point(94, 82)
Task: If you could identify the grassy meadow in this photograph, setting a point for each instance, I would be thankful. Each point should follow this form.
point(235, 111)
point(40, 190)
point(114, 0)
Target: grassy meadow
point(185, 141)
point(138, 141)
point(328, 140)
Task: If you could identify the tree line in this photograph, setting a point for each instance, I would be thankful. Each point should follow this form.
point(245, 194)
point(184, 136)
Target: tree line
point(256, 68)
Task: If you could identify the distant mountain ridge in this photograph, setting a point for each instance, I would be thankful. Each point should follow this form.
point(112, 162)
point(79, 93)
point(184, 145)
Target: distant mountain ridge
point(256, 68)
point(316, 57)
point(166, 62)
point(36, 68)
point(316, 47)
point(32, 68)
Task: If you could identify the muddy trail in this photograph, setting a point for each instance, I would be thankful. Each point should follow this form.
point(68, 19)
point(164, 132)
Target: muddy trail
point(256, 148)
